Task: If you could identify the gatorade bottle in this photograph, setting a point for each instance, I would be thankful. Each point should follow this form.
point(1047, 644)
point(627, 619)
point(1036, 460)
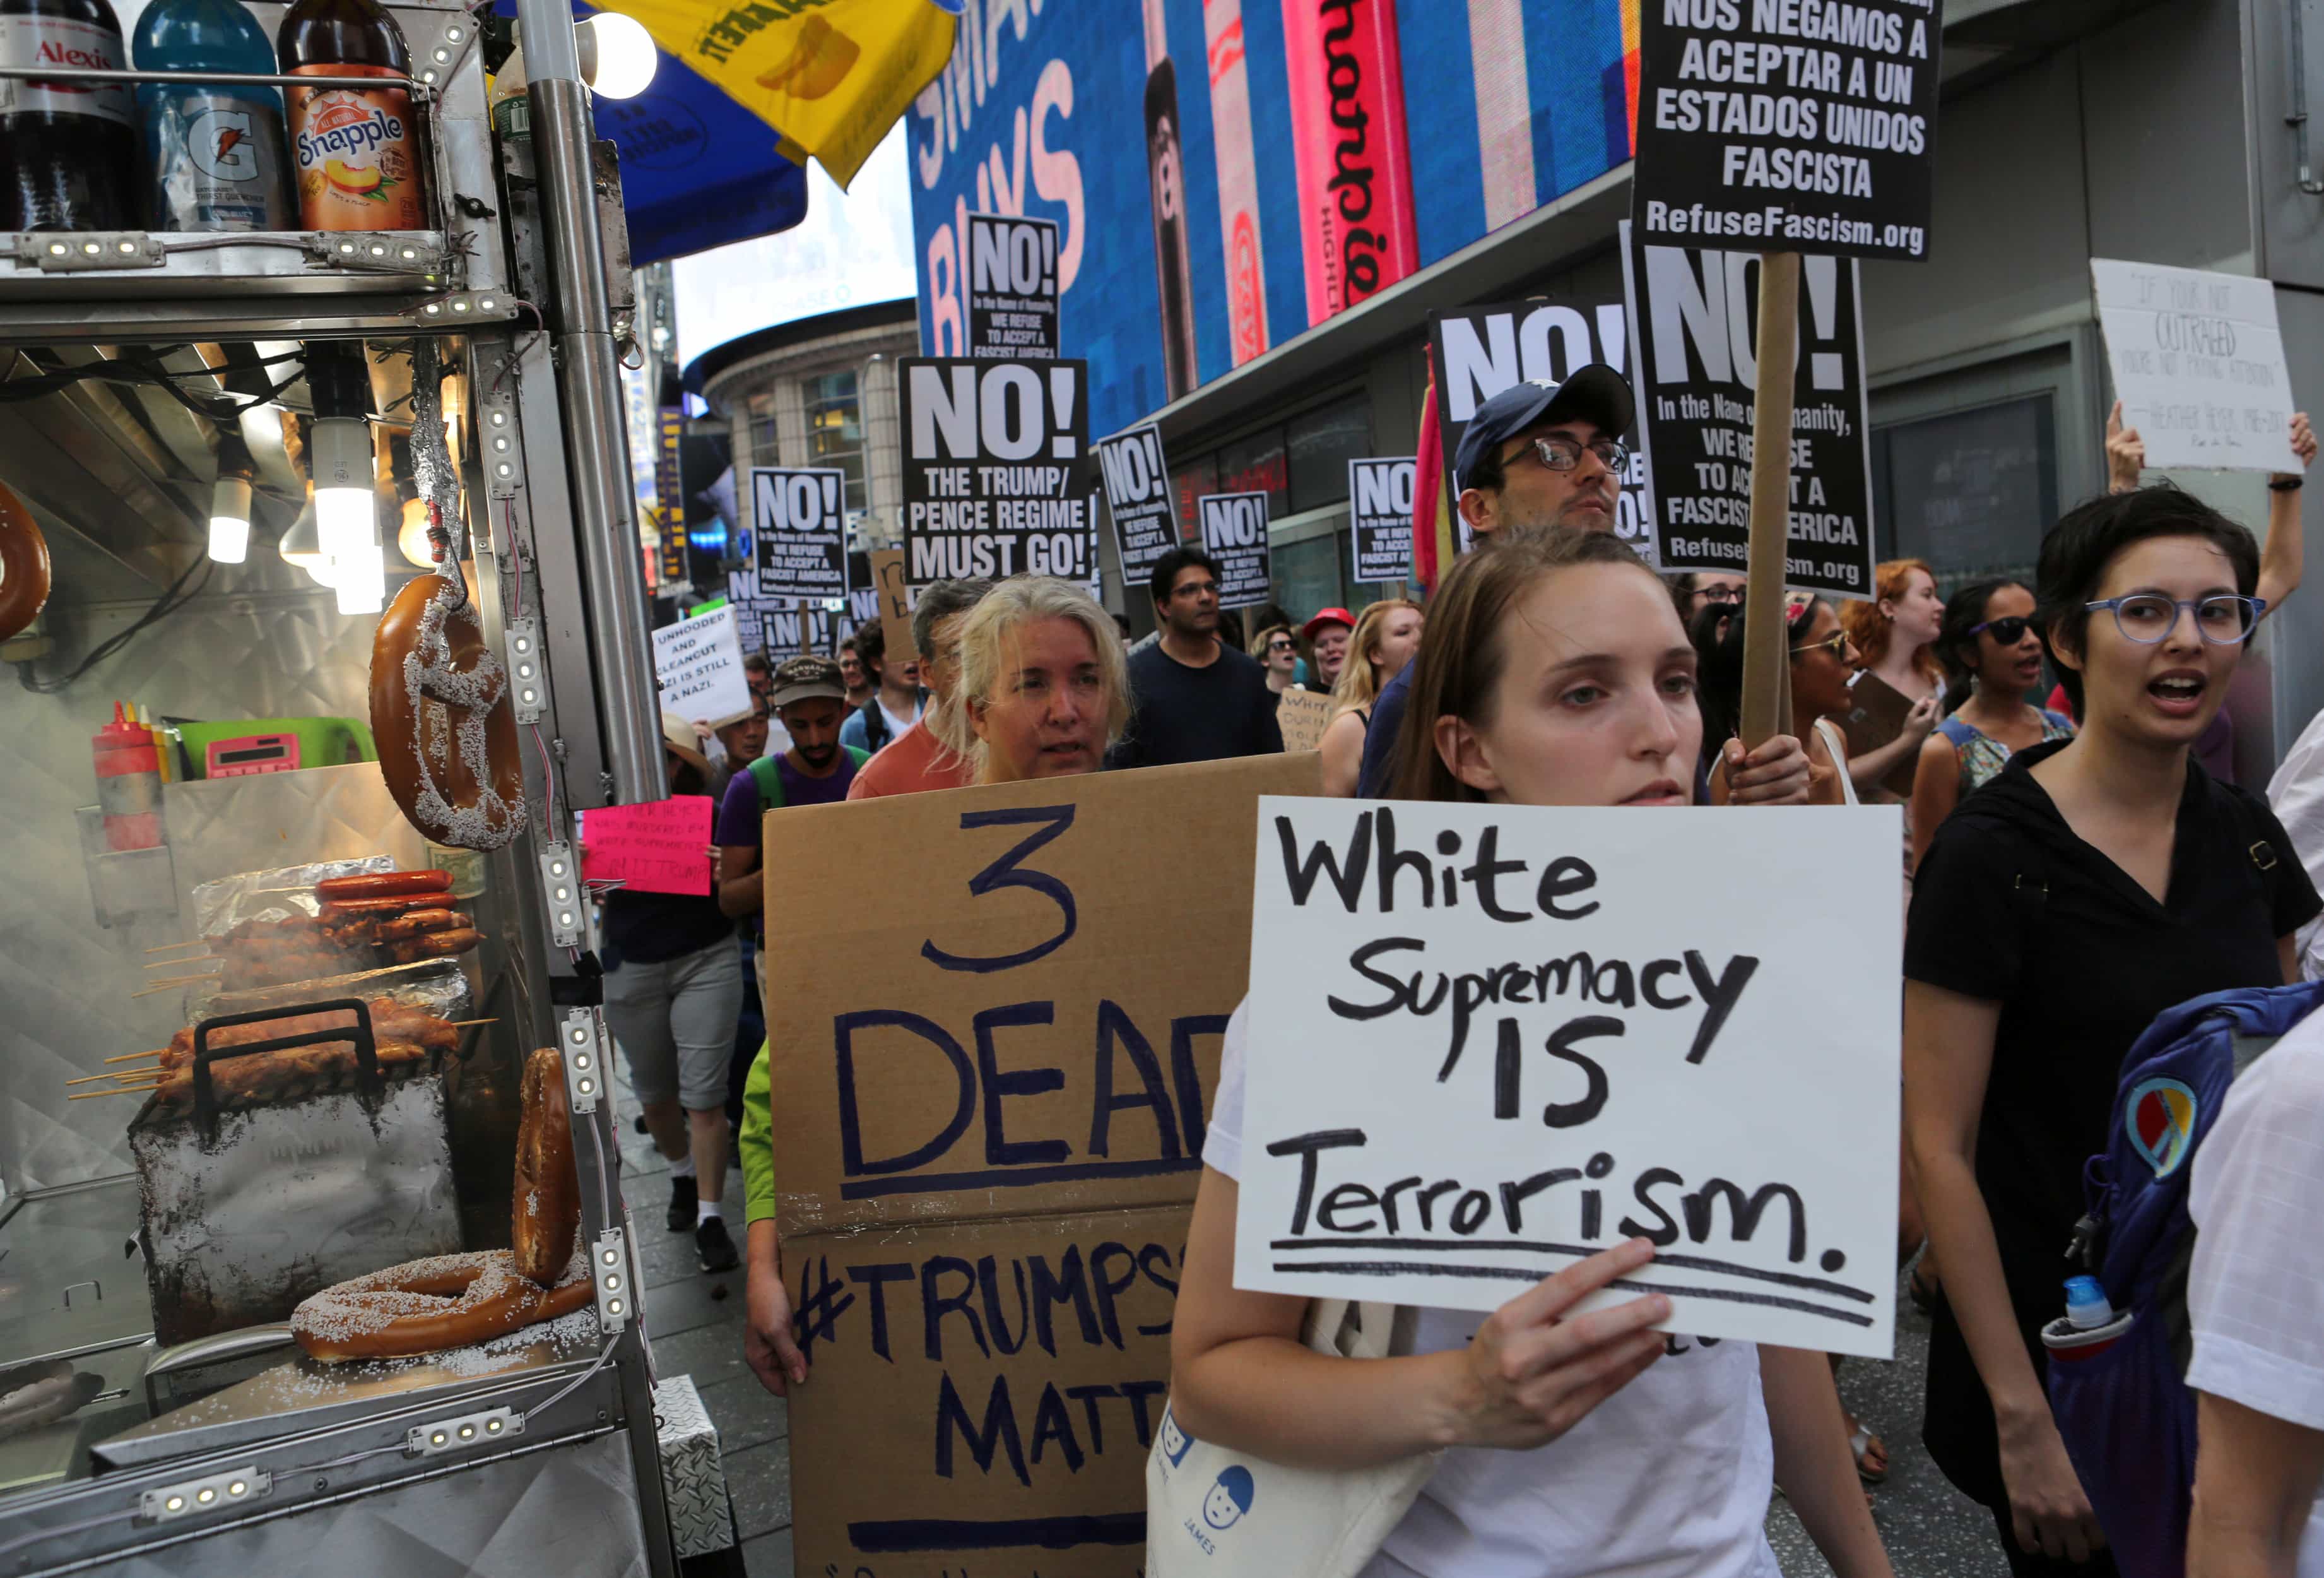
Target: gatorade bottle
point(128, 783)
point(215, 152)
point(355, 151)
point(67, 149)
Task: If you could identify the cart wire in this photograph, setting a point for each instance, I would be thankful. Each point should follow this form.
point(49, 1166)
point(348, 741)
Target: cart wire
point(167, 604)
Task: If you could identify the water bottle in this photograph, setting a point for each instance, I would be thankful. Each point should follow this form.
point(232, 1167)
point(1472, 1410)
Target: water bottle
point(2087, 1304)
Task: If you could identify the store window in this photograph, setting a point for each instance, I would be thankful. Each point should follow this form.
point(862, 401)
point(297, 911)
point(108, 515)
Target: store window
point(766, 446)
point(1320, 444)
point(1258, 464)
point(1308, 574)
point(834, 429)
point(1972, 491)
point(1188, 483)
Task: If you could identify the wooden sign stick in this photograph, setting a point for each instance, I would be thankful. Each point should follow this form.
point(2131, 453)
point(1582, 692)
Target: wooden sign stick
point(1767, 663)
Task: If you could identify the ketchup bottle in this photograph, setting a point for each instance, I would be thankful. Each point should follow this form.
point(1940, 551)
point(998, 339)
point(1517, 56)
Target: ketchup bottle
point(128, 783)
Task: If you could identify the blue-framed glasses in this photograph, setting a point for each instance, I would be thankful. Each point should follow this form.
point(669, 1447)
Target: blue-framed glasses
point(2148, 618)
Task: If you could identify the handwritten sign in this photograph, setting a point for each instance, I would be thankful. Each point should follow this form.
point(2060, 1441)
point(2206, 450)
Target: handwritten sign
point(2198, 362)
point(990, 1079)
point(1303, 716)
point(698, 663)
point(895, 608)
point(1487, 1041)
point(661, 846)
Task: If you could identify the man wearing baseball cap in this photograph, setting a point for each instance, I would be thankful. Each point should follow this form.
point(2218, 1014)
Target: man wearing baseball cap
point(1546, 454)
point(810, 694)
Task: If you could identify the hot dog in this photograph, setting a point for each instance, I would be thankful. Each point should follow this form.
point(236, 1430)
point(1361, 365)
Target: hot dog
point(381, 884)
point(388, 904)
point(414, 923)
point(434, 945)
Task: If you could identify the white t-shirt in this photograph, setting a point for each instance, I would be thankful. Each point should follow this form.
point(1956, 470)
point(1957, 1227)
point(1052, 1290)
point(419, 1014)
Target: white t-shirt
point(1668, 1478)
point(2252, 1293)
point(2296, 795)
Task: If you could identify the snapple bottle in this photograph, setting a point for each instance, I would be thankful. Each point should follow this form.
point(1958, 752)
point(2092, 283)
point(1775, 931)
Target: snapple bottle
point(354, 151)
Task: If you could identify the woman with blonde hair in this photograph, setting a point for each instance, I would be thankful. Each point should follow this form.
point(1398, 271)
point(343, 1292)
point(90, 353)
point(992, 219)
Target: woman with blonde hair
point(1277, 647)
point(1044, 686)
point(1386, 636)
point(1894, 634)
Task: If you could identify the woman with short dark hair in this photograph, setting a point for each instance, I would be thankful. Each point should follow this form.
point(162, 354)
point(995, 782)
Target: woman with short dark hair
point(2092, 884)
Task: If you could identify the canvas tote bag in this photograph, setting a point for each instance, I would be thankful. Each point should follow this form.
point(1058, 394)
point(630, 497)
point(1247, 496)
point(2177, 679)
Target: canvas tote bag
point(1211, 1512)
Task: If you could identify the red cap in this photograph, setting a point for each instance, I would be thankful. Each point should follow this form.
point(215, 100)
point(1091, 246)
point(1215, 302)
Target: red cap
point(1327, 616)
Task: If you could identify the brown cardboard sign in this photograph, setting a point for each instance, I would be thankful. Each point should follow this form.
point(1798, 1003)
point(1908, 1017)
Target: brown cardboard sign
point(1303, 716)
point(1008, 999)
point(982, 1396)
point(895, 602)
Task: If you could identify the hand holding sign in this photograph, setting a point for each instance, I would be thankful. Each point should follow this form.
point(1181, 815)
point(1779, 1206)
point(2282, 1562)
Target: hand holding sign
point(1534, 1370)
point(661, 846)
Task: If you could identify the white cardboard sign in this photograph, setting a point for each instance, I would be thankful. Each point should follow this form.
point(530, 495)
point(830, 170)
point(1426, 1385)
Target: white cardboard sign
point(698, 664)
point(1486, 1042)
point(2198, 362)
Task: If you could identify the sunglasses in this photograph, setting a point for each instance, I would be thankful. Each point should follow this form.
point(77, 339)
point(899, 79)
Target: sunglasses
point(2005, 632)
point(1836, 643)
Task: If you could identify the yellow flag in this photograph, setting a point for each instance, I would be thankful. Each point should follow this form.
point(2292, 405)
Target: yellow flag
point(831, 75)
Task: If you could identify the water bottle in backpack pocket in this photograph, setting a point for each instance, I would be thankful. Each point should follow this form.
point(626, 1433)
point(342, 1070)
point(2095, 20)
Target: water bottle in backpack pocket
point(2118, 1360)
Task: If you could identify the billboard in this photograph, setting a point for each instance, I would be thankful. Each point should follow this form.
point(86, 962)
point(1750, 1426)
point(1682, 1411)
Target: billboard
point(1226, 174)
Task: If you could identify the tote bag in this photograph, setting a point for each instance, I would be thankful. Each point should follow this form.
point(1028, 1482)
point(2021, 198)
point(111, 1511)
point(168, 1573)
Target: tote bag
point(1213, 1512)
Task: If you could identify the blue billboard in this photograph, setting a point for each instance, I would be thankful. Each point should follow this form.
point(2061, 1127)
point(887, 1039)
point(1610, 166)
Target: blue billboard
point(1227, 174)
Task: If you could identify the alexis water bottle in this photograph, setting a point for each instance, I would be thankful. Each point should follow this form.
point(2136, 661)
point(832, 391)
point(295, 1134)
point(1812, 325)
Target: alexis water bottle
point(214, 150)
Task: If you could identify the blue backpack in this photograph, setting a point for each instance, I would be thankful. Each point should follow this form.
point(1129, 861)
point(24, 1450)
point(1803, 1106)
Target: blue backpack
point(2123, 1405)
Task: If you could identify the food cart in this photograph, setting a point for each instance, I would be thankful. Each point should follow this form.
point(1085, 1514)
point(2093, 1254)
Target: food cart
point(155, 1413)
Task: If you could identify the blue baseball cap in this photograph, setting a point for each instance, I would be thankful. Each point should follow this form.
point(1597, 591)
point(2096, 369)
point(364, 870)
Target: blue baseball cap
point(1597, 393)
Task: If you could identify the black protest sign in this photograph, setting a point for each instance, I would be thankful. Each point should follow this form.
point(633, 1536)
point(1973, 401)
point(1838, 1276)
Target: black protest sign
point(863, 593)
point(795, 630)
point(1788, 125)
point(1379, 518)
point(1480, 351)
point(1696, 368)
point(1234, 533)
point(1012, 287)
point(994, 469)
point(799, 532)
point(1139, 496)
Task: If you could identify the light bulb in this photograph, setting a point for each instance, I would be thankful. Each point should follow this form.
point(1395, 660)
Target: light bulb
point(360, 579)
point(230, 520)
point(411, 535)
point(301, 546)
point(339, 456)
point(345, 521)
point(623, 59)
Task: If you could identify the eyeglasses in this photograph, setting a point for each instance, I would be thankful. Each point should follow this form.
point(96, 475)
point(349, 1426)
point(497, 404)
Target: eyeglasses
point(2008, 633)
point(1719, 594)
point(1195, 589)
point(1836, 643)
point(1564, 454)
point(2149, 617)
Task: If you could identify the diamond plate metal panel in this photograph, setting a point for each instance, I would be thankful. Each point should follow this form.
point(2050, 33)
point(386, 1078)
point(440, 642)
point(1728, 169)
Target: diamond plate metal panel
point(65, 983)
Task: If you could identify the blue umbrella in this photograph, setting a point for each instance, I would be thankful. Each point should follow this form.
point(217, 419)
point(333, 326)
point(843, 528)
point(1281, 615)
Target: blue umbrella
point(697, 169)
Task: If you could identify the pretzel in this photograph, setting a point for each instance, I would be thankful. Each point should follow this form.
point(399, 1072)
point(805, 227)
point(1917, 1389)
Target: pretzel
point(439, 703)
point(548, 1190)
point(426, 1307)
point(24, 566)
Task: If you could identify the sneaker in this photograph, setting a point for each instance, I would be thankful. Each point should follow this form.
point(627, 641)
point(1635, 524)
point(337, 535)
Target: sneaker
point(682, 1201)
point(716, 1248)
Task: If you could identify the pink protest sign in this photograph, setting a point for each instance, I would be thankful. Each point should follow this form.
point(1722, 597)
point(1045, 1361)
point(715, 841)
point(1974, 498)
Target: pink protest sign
point(662, 847)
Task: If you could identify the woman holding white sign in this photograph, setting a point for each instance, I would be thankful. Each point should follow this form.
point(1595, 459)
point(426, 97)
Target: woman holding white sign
point(2091, 884)
point(1553, 673)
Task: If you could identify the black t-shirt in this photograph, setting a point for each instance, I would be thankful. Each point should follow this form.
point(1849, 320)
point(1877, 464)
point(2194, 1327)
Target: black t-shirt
point(653, 927)
point(1179, 713)
point(2009, 906)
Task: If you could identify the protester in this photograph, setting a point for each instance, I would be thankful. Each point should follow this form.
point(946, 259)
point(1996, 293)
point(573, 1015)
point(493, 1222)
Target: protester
point(1042, 684)
point(810, 699)
point(933, 754)
point(1194, 697)
point(1697, 590)
point(1121, 623)
point(1385, 637)
point(742, 742)
point(1042, 689)
point(759, 674)
point(671, 1003)
point(1991, 647)
point(1821, 662)
point(1553, 672)
point(860, 686)
point(2281, 555)
point(2258, 1364)
point(1894, 632)
point(1277, 651)
point(2092, 884)
point(896, 703)
point(2296, 795)
point(1544, 453)
point(1327, 635)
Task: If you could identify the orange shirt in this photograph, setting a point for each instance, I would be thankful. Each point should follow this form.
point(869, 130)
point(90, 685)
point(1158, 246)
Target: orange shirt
point(911, 763)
